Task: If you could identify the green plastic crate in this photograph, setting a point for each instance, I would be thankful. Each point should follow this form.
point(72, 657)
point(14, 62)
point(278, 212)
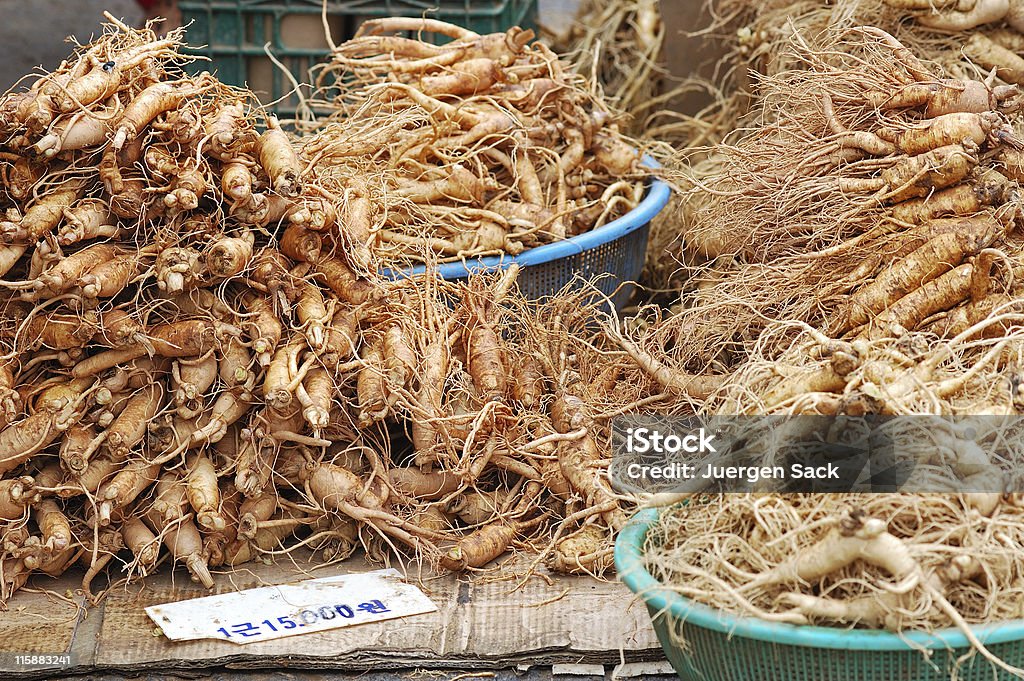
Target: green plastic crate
point(725, 647)
point(232, 33)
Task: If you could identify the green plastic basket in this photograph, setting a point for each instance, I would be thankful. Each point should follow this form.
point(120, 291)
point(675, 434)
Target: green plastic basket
point(232, 33)
point(724, 647)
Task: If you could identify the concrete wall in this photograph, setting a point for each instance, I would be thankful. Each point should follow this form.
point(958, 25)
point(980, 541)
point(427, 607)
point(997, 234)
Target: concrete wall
point(33, 31)
point(684, 55)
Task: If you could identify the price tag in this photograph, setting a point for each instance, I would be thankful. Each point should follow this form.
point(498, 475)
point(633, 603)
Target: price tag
point(290, 609)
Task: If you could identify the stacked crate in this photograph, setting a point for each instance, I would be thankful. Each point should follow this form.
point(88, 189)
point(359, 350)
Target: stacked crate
point(235, 35)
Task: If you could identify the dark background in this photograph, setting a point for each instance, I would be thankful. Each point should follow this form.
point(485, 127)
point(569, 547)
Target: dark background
point(33, 31)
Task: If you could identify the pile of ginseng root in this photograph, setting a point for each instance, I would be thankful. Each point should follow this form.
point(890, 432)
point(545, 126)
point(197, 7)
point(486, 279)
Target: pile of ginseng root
point(858, 252)
point(978, 40)
point(490, 144)
point(620, 43)
point(867, 231)
point(201, 365)
point(883, 561)
point(959, 40)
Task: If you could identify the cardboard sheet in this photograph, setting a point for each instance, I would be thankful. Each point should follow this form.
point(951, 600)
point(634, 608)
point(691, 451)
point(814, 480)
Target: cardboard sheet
point(480, 622)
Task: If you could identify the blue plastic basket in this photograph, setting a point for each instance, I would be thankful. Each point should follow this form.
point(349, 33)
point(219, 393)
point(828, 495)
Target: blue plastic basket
point(725, 647)
point(616, 250)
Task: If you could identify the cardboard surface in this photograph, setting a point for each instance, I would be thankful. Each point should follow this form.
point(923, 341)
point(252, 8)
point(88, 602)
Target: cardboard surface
point(480, 622)
point(39, 623)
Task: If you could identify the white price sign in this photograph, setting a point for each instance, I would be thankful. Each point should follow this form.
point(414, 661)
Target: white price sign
point(290, 609)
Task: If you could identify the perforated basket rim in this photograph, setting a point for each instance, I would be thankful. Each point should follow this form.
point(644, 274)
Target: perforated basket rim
point(629, 563)
point(656, 198)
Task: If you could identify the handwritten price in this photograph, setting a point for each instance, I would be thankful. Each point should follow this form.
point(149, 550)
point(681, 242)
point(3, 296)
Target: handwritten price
point(306, 616)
